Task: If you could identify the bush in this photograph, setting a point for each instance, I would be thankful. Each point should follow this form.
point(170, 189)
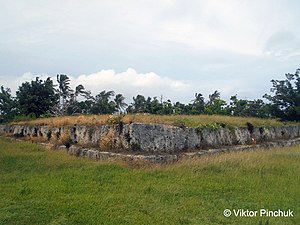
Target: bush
point(115, 119)
point(29, 117)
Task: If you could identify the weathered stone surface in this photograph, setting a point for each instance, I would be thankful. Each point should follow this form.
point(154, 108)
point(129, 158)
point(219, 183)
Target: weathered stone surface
point(3, 129)
point(148, 138)
point(165, 158)
point(216, 138)
point(241, 136)
point(62, 148)
point(157, 137)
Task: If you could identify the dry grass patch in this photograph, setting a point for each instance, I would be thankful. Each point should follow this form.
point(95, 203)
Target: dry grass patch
point(36, 139)
point(177, 120)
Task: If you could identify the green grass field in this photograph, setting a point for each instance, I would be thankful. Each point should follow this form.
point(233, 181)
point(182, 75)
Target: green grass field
point(39, 186)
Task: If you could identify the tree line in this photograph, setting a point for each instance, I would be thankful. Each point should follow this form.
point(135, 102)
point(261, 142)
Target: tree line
point(43, 98)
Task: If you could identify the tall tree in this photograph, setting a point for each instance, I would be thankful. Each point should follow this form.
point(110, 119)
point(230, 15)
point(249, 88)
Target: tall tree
point(37, 97)
point(7, 105)
point(237, 106)
point(79, 90)
point(285, 102)
point(215, 105)
point(213, 97)
point(155, 106)
point(103, 103)
point(63, 85)
point(65, 93)
point(139, 104)
point(198, 104)
point(120, 102)
point(167, 107)
point(181, 109)
point(74, 106)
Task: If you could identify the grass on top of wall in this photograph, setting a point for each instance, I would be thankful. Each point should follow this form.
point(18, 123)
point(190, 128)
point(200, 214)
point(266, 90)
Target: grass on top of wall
point(177, 120)
point(39, 186)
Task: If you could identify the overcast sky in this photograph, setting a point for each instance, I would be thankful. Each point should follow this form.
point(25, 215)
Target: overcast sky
point(173, 48)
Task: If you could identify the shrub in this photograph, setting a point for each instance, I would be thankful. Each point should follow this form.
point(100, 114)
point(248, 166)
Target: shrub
point(115, 119)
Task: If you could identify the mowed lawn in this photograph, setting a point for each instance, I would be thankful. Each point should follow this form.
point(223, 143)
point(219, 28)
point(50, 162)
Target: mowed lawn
point(39, 186)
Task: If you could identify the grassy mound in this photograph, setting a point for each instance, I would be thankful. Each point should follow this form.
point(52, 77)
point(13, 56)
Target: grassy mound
point(177, 120)
point(42, 187)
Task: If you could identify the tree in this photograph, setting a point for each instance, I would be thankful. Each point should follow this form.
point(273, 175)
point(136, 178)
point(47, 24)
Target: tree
point(7, 105)
point(181, 109)
point(213, 97)
point(258, 108)
point(139, 104)
point(198, 104)
point(119, 102)
point(63, 85)
point(155, 107)
point(102, 103)
point(64, 91)
point(74, 106)
point(237, 106)
point(253, 108)
point(285, 103)
point(79, 90)
point(217, 106)
point(167, 107)
point(37, 97)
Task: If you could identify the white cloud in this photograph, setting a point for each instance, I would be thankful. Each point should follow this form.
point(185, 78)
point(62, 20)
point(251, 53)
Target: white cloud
point(200, 45)
point(131, 83)
point(16, 81)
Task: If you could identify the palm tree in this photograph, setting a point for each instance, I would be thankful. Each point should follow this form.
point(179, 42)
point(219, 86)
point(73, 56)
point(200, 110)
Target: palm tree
point(198, 103)
point(104, 96)
point(198, 98)
point(79, 90)
point(213, 97)
point(120, 104)
point(102, 103)
point(64, 92)
point(63, 87)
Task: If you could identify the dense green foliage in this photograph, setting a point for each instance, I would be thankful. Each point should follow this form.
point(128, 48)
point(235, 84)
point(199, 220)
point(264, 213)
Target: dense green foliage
point(42, 187)
point(41, 98)
point(286, 100)
point(8, 109)
point(37, 97)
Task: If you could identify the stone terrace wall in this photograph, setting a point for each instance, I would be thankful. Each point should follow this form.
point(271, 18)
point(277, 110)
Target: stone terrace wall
point(150, 138)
